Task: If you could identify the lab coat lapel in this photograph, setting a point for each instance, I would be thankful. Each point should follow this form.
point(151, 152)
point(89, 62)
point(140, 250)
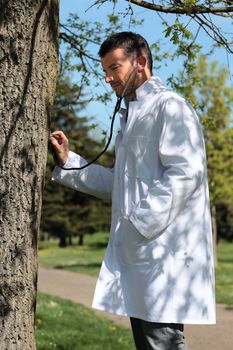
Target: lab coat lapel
point(133, 113)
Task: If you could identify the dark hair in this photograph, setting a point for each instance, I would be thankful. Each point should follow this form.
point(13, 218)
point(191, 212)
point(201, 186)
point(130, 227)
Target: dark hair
point(132, 43)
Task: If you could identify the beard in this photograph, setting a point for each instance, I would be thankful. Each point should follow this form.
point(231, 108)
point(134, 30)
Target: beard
point(126, 89)
point(128, 85)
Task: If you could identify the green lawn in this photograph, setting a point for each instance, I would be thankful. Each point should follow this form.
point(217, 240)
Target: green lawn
point(63, 325)
point(224, 273)
point(87, 259)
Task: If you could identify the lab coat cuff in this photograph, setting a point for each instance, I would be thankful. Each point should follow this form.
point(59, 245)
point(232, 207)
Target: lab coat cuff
point(73, 161)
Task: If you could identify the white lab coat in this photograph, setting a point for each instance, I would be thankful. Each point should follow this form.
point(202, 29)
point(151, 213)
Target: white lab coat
point(158, 264)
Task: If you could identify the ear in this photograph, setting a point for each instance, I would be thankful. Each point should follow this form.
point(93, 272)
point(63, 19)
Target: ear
point(141, 63)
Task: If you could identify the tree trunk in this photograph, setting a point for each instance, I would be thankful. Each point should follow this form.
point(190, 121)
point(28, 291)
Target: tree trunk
point(28, 70)
point(63, 239)
point(70, 240)
point(81, 240)
point(215, 232)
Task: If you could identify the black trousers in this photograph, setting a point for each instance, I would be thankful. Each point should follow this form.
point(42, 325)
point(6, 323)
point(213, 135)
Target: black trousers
point(157, 336)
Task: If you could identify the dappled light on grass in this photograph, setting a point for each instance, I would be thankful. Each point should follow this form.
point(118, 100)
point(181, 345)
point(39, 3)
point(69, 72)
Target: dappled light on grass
point(63, 325)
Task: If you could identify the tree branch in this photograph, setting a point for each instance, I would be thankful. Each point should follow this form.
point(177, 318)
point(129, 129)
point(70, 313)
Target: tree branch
point(195, 9)
point(213, 32)
point(73, 42)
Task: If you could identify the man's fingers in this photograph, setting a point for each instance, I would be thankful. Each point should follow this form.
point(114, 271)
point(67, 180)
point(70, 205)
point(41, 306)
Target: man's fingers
point(58, 133)
point(60, 147)
point(58, 138)
point(53, 140)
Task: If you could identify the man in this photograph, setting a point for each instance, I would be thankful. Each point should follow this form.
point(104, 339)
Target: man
point(158, 268)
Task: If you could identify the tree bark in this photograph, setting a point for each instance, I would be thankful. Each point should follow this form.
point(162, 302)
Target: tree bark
point(28, 71)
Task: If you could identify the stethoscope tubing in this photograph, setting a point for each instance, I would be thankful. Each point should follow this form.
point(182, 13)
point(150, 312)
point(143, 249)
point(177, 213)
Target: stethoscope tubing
point(116, 109)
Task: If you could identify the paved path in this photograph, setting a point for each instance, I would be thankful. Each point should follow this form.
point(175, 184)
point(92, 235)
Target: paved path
point(80, 288)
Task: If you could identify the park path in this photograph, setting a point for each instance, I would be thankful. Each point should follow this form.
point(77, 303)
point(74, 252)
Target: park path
point(79, 288)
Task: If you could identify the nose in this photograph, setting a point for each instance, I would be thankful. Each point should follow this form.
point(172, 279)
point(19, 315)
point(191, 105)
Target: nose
point(108, 78)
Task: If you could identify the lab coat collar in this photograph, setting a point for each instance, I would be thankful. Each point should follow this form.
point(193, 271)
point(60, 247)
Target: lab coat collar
point(152, 84)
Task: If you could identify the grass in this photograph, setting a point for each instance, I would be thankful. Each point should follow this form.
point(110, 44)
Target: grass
point(87, 259)
point(63, 325)
point(224, 274)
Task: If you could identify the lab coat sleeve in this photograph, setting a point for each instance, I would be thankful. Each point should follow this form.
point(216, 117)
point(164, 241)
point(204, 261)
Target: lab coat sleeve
point(95, 180)
point(182, 156)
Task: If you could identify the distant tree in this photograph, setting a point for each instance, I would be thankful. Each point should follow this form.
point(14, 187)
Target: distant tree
point(213, 98)
point(66, 213)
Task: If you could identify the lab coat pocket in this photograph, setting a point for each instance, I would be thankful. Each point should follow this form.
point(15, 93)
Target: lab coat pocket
point(135, 249)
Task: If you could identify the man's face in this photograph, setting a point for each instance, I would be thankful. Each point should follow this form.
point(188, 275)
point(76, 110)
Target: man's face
point(119, 68)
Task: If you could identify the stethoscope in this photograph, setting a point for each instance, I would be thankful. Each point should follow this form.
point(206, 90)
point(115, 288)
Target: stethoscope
point(116, 109)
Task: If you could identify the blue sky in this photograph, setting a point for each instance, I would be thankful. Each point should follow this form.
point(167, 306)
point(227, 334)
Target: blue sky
point(151, 30)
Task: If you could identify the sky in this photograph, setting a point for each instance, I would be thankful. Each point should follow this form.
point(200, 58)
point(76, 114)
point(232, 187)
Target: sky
point(151, 30)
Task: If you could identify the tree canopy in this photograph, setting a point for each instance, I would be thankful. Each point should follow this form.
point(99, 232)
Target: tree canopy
point(183, 24)
point(202, 12)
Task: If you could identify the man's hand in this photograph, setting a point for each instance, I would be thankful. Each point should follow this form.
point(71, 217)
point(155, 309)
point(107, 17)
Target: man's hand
point(60, 145)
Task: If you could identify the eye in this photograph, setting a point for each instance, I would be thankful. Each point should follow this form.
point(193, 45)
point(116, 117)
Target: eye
point(115, 67)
